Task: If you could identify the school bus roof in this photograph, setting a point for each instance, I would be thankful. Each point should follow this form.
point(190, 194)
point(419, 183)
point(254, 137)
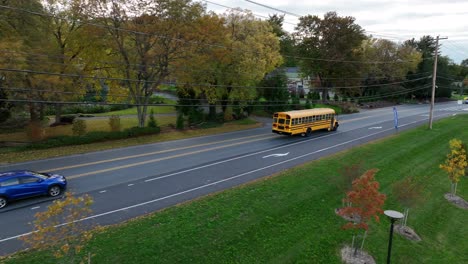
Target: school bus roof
point(308, 112)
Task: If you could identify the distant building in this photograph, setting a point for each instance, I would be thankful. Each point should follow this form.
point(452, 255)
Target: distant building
point(297, 83)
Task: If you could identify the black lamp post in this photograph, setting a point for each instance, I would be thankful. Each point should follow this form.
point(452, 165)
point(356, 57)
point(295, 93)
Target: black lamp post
point(393, 215)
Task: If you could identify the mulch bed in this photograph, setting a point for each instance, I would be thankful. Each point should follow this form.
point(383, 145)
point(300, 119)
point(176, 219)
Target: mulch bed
point(362, 257)
point(456, 200)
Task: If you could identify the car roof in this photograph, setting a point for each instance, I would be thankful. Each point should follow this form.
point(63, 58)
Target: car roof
point(15, 173)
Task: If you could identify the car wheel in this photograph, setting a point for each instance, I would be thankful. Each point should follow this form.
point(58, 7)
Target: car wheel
point(3, 202)
point(55, 191)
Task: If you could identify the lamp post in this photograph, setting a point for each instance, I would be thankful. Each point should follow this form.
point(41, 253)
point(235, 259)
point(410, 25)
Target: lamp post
point(393, 215)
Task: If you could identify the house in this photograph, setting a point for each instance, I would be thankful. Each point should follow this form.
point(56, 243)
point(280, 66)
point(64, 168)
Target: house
point(296, 82)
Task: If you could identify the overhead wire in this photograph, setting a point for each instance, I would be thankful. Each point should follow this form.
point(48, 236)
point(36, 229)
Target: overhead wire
point(197, 42)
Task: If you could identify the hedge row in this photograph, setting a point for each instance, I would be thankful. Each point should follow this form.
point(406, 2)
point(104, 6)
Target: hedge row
point(91, 137)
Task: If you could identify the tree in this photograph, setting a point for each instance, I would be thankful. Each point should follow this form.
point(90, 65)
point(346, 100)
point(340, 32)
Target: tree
point(21, 37)
point(245, 51)
point(409, 193)
point(59, 227)
point(455, 164)
point(273, 88)
point(327, 43)
point(365, 204)
point(347, 174)
point(144, 39)
point(396, 61)
point(287, 43)
point(63, 27)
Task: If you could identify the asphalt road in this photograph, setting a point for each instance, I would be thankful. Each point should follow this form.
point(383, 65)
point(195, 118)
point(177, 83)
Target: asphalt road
point(134, 181)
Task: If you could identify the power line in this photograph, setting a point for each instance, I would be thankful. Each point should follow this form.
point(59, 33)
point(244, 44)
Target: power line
point(195, 42)
point(242, 10)
point(273, 8)
point(193, 84)
point(201, 105)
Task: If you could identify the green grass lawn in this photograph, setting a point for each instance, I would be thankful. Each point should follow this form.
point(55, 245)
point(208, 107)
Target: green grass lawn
point(133, 110)
point(91, 125)
point(289, 217)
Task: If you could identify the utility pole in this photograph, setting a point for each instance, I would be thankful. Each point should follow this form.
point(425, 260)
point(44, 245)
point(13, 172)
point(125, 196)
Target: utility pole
point(434, 76)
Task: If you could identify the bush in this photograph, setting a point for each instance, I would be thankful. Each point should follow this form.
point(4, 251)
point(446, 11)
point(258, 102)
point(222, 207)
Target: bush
point(67, 119)
point(152, 121)
point(91, 137)
point(156, 99)
point(180, 121)
point(114, 123)
point(348, 108)
point(79, 127)
point(4, 114)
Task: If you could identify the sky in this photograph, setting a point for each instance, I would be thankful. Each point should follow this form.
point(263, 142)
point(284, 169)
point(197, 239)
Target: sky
point(396, 20)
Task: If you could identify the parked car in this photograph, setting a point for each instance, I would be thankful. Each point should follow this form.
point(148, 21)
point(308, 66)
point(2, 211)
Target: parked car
point(20, 184)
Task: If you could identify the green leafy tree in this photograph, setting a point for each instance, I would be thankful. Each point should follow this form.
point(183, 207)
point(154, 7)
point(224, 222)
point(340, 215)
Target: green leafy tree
point(400, 59)
point(273, 88)
point(288, 47)
point(327, 43)
point(455, 163)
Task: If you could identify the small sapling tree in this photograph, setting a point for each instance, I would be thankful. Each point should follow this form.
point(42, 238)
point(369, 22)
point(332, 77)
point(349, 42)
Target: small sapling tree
point(455, 164)
point(347, 174)
point(366, 204)
point(409, 193)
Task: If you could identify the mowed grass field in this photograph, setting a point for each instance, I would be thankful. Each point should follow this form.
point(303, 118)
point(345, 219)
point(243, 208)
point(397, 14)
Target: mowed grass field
point(290, 218)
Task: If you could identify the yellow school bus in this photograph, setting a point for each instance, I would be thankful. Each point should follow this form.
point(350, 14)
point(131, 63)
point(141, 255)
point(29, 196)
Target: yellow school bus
point(303, 122)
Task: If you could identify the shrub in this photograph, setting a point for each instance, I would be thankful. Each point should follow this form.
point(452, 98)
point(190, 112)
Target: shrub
point(348, 108)
point(152, 121)
point(4, 114)
point(335, 97)
point(114, 123)
point(180, 121)
point(79, 127)
point(67, 119)
point(156, 99)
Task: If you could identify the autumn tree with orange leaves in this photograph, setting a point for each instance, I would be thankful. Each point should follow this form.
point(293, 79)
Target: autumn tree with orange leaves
point(365, 204)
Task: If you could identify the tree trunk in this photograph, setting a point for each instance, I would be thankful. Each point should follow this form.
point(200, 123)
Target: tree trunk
point(406, 217)
point(212, 112)
point(58, 112)
point(363, 239)
point(33, 112)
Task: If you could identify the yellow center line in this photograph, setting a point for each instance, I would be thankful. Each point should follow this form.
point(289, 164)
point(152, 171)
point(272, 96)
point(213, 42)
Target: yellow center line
point(145, 154)
point(165, 158)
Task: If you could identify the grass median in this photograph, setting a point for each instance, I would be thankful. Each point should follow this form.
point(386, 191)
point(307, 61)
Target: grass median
point(290, 218)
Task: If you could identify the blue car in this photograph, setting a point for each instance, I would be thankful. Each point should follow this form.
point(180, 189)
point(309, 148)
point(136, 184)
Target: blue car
point(15, 185)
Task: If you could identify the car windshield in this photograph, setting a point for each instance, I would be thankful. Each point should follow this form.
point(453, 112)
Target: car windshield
point(40, 175)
